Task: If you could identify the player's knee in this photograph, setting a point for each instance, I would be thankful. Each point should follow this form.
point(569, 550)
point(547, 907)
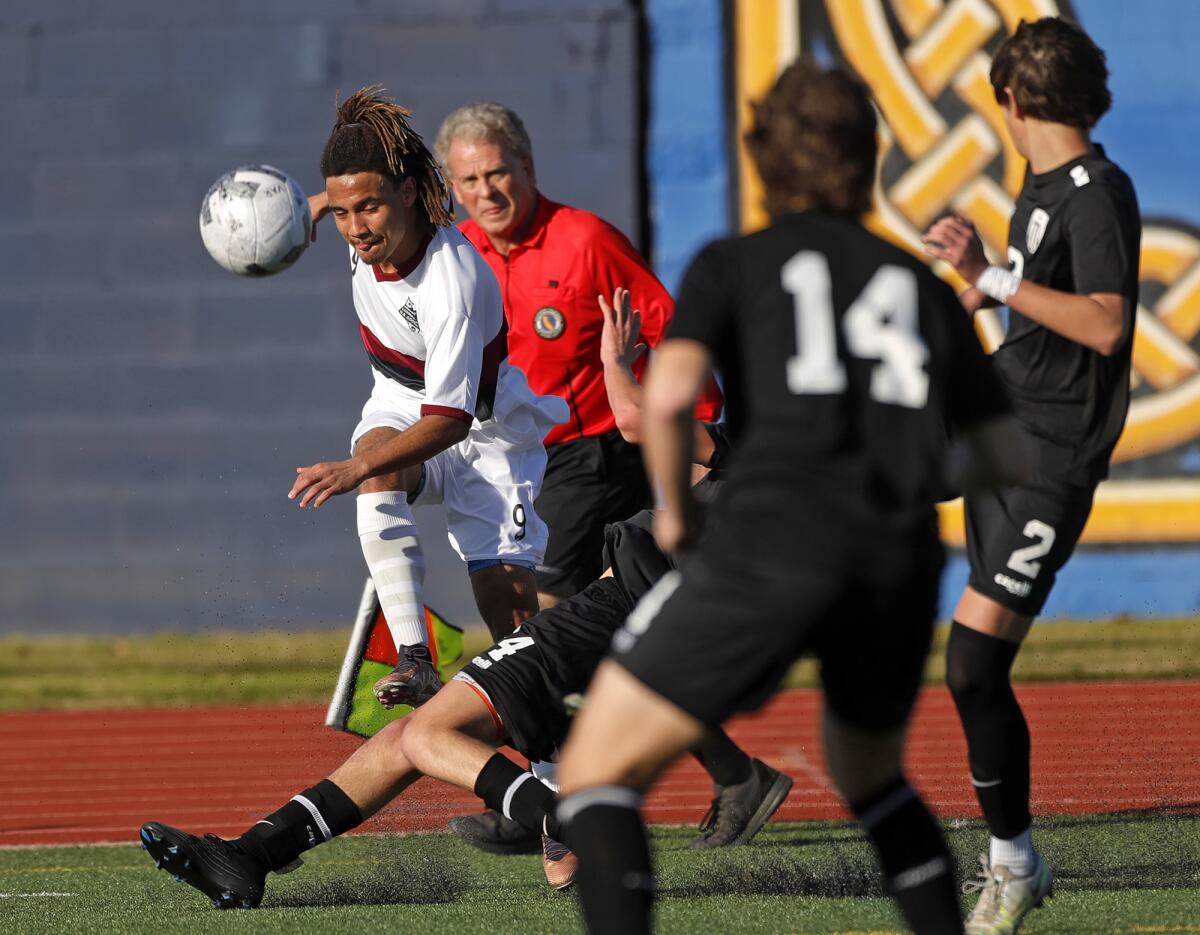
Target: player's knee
point(419, 743)
point(977, 666)
point(405, 479)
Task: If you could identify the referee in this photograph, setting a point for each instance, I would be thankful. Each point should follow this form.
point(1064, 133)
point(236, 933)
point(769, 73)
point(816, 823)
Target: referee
point(552, 262)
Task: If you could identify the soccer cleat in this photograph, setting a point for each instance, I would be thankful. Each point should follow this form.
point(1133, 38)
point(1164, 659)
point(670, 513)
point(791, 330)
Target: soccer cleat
point(738, 812)
point(494, 833)
point(216, 867)
point(559, 862)
point(1004, 899)
point(413, 682)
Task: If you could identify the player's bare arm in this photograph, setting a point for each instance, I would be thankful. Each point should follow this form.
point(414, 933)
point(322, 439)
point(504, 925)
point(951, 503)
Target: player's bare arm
point(1096, 320)
point(318, 204)
point(619, 348)
point(427, 437)
point(672, 387)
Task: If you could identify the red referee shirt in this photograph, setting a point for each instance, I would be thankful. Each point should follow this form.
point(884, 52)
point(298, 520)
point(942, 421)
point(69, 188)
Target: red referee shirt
point(550, 282)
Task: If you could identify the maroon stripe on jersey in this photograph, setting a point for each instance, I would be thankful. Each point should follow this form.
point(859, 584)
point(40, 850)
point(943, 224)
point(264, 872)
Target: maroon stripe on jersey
point(447, 411)
point(408, 371)
point(405, 268)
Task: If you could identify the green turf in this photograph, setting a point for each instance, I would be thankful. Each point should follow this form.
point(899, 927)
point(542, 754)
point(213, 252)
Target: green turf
point(1126, 873)
point(276, 667)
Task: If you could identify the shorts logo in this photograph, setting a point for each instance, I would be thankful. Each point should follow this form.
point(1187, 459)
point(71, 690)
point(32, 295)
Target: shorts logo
point(549, 323)
point(408, 312)
point(1036, 229)
point(1012, 586)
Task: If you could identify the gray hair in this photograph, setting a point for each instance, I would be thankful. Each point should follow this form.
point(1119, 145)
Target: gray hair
point(483, 120)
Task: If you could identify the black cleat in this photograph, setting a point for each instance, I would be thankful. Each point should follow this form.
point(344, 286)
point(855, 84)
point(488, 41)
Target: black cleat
point(738, 812)
point(218, 869)
point(494, 833)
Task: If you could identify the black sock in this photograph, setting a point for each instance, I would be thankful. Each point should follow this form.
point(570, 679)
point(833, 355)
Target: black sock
point(977, 672)
point(615, 880)
point(517, 794)
point(913, 854)
point(723, 760)
point(310, 818)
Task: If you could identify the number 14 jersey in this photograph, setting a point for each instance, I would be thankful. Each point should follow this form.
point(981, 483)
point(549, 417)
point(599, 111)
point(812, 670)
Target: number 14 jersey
point(844, 360)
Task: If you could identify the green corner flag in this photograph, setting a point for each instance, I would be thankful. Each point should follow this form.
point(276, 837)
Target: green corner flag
point(370, 656)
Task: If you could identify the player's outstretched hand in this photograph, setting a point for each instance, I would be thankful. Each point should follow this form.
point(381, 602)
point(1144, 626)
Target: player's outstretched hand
point(319, 482)
point(619, 337)
point(318, 204)
point(955, 240)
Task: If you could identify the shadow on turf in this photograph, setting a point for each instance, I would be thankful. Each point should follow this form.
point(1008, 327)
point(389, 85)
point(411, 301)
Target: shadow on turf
point(392, 878)
point(838, 862)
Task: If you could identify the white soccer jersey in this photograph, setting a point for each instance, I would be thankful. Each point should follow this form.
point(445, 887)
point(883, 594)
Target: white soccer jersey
point(437, 339)
point(435, 329)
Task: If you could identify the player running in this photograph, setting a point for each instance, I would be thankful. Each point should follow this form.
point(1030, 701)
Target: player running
point(448, 419)
point(843, 357)
point(1071, 287)
point(518, 692)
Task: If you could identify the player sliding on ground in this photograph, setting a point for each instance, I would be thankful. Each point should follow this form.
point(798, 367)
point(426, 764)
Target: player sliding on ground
point(1072, 289)
point(448, 420)
point(517, 693)
point(846, 358)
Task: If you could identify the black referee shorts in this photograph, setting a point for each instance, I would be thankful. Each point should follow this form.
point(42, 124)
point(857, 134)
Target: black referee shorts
point(719, 636)
point(1019, 537)
point(589, 482)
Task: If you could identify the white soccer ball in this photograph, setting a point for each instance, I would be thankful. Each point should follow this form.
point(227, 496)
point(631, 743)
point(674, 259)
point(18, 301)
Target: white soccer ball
point(255, 221)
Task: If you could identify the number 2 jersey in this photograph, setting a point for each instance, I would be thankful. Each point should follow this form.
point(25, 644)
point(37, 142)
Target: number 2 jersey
point(1076, 229)
point(436, 337)
point(844, 361)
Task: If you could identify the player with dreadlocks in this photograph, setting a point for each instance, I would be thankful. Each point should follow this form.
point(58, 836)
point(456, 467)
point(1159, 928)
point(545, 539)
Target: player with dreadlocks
point(448, 420)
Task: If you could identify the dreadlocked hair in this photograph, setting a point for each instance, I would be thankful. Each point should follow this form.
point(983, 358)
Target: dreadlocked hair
point(372, 134)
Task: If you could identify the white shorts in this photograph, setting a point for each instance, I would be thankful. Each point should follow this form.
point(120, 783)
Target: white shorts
point(487, 482)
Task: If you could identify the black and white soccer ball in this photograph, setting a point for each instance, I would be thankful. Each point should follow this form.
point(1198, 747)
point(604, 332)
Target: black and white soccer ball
point(255, 221)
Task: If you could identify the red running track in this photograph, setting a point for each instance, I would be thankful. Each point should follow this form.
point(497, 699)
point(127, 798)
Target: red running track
point(95, 776)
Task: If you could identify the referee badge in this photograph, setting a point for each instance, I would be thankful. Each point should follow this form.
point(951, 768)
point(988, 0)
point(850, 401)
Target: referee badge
point(1036, 229)
point(549, 323)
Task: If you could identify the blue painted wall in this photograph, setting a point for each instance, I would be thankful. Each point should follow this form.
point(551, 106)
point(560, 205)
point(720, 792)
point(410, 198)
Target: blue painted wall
point(1152, 131)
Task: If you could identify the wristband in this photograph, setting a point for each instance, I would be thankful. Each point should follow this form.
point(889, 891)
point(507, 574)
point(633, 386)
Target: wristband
point(998, 283)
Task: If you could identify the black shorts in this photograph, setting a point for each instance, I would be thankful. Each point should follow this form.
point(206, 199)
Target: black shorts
point(589, 482)
point(1019, 537)
point(720, 635)
point(529, 676)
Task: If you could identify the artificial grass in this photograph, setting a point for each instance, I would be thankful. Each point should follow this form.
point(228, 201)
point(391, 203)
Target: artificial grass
point(1134, 872)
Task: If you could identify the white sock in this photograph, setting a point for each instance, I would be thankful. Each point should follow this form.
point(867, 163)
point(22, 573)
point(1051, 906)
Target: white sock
point(547, 772)
point(388, 534)
point(1017, 855)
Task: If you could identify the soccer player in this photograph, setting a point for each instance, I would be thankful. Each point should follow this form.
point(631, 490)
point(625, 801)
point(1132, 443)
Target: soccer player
point(1071, 286)
point(552, 261)
point(842, 356)
point(448, 419)
point(516, 692)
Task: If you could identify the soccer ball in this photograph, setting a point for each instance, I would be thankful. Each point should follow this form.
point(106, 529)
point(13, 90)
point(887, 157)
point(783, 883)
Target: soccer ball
point(255, 221)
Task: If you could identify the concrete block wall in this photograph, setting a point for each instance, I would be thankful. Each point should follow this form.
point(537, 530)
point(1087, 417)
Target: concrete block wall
point(153, 408)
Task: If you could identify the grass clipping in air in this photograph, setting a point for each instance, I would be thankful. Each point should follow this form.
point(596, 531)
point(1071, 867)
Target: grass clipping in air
point(275, 667)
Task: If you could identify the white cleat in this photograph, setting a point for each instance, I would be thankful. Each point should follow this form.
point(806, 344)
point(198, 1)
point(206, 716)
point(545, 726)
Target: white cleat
point(1004, 899)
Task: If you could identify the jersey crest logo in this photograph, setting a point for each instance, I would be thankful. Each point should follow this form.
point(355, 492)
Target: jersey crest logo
point(1036, 229)
point(1079, 175)
point(408, 312)
point(549, 323)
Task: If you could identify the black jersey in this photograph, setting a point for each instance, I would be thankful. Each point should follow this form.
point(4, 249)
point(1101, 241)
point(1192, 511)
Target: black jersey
point(844, 358)
point(1076, 229)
